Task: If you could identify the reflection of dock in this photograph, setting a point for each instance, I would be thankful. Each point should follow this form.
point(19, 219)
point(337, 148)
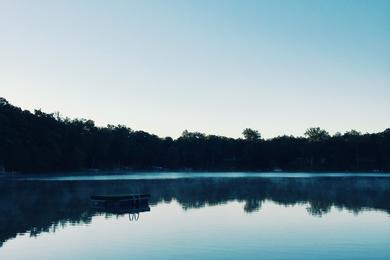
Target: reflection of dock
point(122, 204)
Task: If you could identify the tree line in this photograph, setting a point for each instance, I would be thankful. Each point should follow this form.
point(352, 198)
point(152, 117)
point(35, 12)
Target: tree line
point(39, 141)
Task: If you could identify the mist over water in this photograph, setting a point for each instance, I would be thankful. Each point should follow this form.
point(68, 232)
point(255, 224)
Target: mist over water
point(216, 216)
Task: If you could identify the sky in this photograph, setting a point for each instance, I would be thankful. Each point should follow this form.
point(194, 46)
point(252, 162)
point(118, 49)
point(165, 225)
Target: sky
point(213, 66)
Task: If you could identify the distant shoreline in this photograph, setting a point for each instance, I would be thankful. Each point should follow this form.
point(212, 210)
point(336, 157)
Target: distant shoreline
point(48, 143)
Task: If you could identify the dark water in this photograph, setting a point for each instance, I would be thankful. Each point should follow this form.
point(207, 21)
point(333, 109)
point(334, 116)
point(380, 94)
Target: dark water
point(214, 216)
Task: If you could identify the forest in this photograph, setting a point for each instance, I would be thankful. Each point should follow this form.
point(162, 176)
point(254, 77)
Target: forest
point(46, 142)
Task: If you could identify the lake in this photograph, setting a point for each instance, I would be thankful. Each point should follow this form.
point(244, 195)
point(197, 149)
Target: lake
point(198, 216)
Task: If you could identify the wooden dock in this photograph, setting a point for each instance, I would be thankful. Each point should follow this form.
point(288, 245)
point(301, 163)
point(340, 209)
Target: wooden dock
point(120, 204)
point(120, 197)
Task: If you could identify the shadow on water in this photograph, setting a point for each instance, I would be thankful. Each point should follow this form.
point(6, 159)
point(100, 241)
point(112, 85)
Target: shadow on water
point(44, 206)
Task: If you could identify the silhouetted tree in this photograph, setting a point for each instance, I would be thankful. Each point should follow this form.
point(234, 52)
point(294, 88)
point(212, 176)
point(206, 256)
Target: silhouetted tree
point(353, 133)
point(48, 142)
point(251, 135)
point(316, 134)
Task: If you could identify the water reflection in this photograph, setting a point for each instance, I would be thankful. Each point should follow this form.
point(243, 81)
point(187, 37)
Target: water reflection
point(43, 206)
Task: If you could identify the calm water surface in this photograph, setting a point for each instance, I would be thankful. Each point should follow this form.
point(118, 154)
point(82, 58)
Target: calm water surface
point(214, 216)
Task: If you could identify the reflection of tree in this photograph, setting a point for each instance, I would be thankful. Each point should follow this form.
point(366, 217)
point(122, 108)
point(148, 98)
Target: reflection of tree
point(252, 206)
point(318, 208)
point(38, 206)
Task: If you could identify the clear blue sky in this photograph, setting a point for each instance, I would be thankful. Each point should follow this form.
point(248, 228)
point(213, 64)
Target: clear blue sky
point(209, 66)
